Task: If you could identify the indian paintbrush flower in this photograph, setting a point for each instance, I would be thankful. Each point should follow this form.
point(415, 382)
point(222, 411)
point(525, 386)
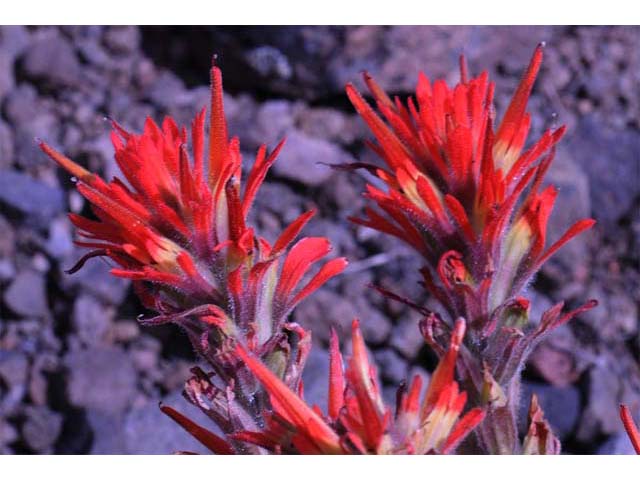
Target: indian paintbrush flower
point(470, 200)
point(176, 226)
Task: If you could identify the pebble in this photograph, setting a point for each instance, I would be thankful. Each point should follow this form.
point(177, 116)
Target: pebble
point(36, 202)
point(41, 428)
point(91, 319)
point(27, 295)
point(52, 60)
point(301, 157)
point(148, 431)
point(103, 379)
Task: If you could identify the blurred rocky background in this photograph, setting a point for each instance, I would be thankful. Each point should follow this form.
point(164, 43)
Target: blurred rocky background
point(79, 375)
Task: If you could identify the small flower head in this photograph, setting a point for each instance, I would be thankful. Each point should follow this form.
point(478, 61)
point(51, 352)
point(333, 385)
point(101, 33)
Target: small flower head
point(466, 196)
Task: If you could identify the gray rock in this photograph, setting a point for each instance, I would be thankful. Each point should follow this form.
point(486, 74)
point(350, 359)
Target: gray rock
point(22, 105)
point(124, 331)
point(167, 90)
point(8, 434)
point(148, 431)
point(145, 353)
point(601, 412)
point(326, 308)
point(7, 238)
point(375, 326)
point(271, 123)
point(345, 195)
point(108, 433)
point(13, 39)
point(616, 317)
point(91, 51)
point(573, 203)
point(36, 201)
point(7, 79)
point(6, 146)
point(331, 124)
point(60, 241)
point(300, 157)
point(102, 379)
point(558, 358)
point(27, 294)
point(94, 278)
point(41, 428)
point(27, 153)
point(269, 61)
point(91, 319)
point(13, 368)
point(7, 269)
point(281, 200)
point(618, 444)
point(122, 39)
point(52, 60)
point(611, 161)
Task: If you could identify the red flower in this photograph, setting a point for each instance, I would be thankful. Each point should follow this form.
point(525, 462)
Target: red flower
point(172, 228)
point(177, 228)
point(455, 183)
point(358, 421)
point(469, 200)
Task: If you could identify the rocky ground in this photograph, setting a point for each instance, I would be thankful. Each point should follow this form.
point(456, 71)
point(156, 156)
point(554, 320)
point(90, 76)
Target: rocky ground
point(79, 375)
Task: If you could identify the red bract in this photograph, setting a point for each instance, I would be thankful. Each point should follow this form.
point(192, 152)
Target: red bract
point(630, 427)
point(539, 439)
point(469, 199)
point(176, 226)
point(358, 421)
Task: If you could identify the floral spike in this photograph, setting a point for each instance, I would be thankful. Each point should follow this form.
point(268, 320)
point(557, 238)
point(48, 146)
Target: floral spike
point(469, 200)
point(630, 427)
point(181, 235)
point(358, 420)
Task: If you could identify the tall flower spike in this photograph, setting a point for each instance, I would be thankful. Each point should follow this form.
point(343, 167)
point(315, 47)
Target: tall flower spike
point(177, 228)
point(469, 200)
point(358, 421)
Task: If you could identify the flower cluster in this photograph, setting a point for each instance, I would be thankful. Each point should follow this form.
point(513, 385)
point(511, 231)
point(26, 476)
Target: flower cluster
point(470, 200)
point(176, 226)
